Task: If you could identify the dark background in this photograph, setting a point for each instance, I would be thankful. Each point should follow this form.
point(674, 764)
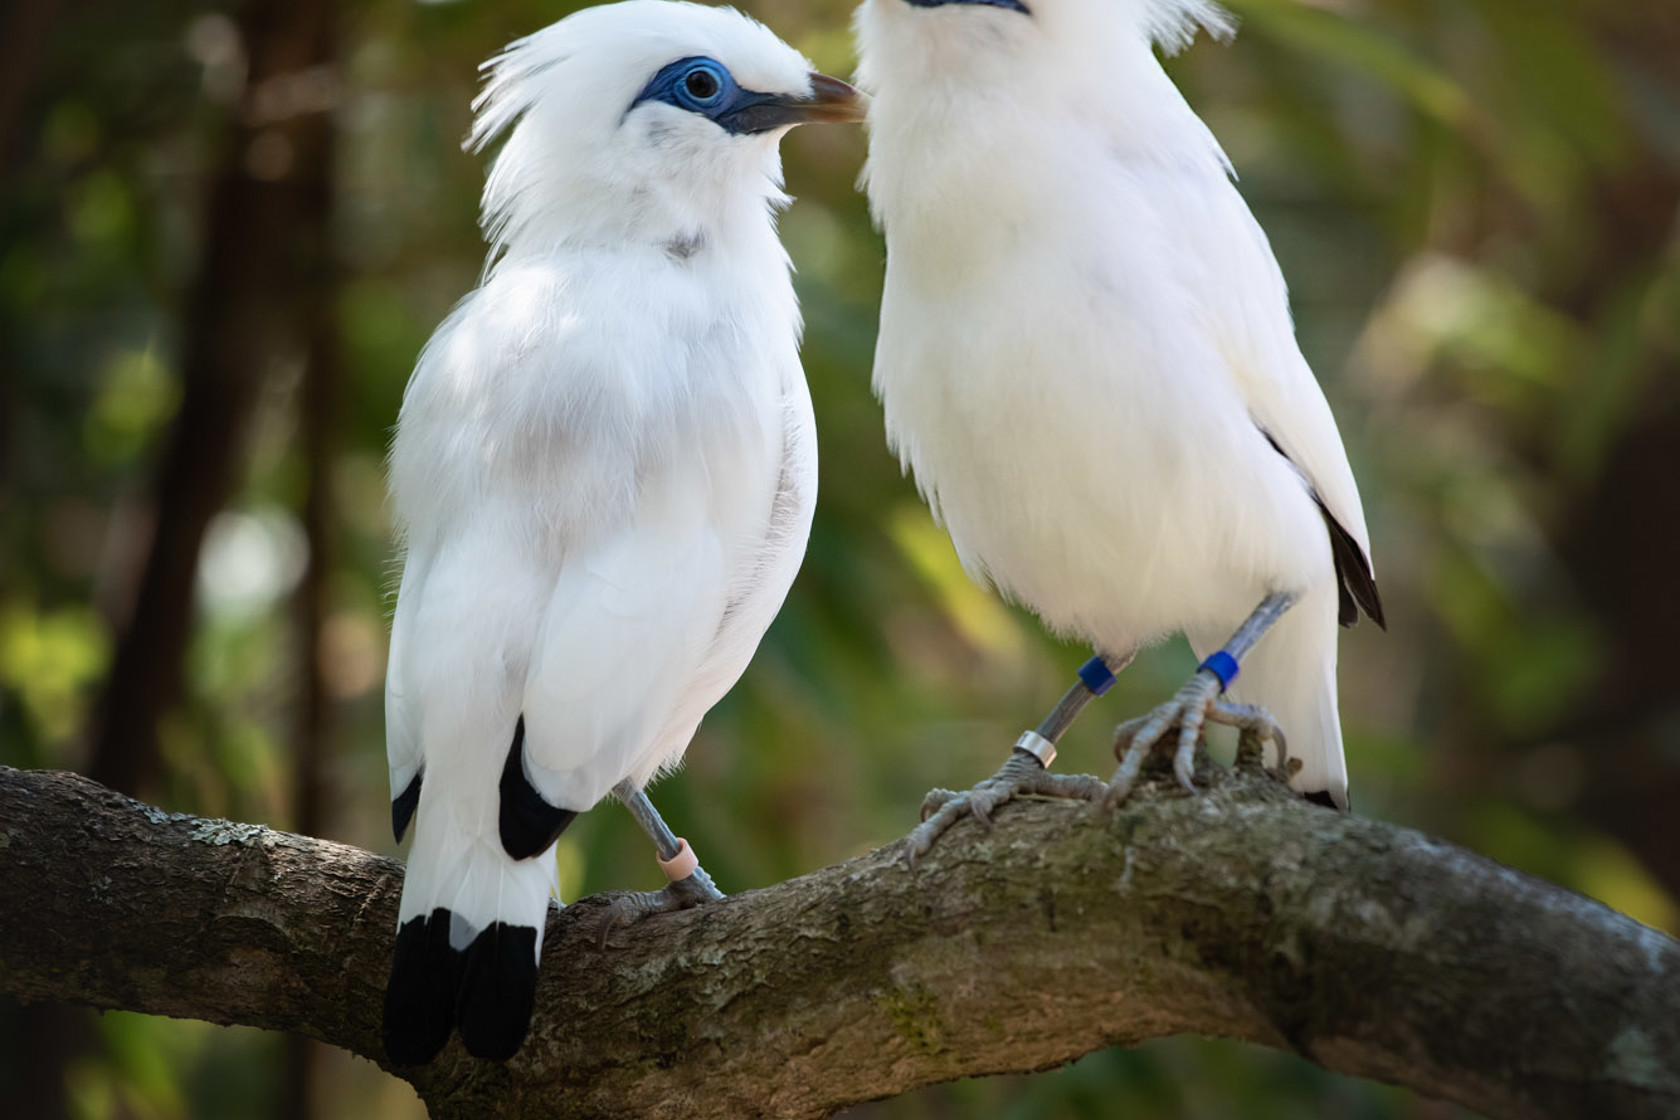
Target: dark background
point(225, 231)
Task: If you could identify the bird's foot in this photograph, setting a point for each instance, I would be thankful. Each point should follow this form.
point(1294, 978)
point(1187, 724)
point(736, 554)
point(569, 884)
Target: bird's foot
point(1022, 775)
point(1196, 705)
point(690, 890)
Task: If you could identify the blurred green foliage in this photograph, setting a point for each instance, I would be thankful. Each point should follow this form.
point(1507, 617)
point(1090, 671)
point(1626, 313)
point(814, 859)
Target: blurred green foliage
point(1474, 201)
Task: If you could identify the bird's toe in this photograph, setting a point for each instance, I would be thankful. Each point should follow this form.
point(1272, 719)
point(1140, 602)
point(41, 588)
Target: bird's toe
point(630, 907)
point(936, 800)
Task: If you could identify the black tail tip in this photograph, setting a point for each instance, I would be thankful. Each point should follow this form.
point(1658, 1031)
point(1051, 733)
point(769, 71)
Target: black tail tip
point(420, 997)
point(498, 991)
point(487, 991)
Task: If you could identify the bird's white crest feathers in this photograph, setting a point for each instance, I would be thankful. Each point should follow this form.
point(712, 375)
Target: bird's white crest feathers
point(557, 97)
point(1172, 24)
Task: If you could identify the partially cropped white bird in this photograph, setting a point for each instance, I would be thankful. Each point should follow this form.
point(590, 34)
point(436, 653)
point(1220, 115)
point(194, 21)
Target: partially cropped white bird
point(1086, 358)
point(604, 474)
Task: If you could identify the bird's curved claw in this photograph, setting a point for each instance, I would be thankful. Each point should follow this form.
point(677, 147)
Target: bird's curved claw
point(1021, 774)
point(1196, 705)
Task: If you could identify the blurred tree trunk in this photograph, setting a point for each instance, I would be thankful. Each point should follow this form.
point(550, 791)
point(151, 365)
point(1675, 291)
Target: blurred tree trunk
point(49, 1035)
point(267, 239)
point(24, 27)
point(263, 291)
point(1622, 544)
point(1615, 532)
point(1621, 536)
point(311, 801)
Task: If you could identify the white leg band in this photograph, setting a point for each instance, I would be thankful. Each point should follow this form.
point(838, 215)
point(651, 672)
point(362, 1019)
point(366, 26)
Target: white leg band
point(1037, 746)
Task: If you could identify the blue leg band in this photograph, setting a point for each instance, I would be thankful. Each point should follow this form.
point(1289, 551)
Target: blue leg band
point(1223, 666)
point(1096, 676)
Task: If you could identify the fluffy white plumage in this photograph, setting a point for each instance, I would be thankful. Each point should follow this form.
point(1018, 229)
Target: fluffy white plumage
point(1085, 342)
point(605, 466)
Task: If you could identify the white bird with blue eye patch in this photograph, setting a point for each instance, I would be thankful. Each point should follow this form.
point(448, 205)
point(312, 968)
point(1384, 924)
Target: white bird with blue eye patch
point(604, 474)
point(1087, 360)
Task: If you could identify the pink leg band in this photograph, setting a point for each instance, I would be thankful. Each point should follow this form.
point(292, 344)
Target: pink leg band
point(681, 865)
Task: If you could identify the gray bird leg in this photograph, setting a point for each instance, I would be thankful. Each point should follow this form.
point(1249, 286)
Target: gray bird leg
point(1198, 703)
point(1026, 771)
point(690, 890)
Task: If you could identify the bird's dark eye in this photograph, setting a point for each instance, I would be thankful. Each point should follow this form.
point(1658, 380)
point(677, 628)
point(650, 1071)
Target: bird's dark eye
point(701, 84)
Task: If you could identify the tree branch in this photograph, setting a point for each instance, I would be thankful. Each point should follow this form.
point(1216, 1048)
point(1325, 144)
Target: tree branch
point(1244, 913)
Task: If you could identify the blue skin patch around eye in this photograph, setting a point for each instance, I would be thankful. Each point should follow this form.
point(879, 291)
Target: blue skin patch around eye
point(705, 86)
point(1012, 5)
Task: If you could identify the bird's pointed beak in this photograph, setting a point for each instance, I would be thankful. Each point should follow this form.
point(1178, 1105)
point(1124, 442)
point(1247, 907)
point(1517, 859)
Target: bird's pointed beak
point(833, 101)
point(829, 99)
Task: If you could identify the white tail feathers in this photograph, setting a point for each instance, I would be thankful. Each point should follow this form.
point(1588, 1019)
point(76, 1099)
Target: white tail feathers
point(466, 872)
point(469, 939)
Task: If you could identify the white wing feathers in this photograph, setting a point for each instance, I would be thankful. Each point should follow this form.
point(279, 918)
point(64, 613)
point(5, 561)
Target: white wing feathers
point(402, 738)
point(1248, 303)
point(645, 631)
point(630, 620)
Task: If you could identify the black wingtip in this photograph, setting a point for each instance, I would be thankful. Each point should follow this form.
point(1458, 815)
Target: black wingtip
point(1356, 587)
point(529, 825)
point(421, 994)
point(498, 991)
point(1356, 590)
point(403, 806)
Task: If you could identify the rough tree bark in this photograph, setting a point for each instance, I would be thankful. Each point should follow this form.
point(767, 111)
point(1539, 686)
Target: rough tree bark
point(1244, 913)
